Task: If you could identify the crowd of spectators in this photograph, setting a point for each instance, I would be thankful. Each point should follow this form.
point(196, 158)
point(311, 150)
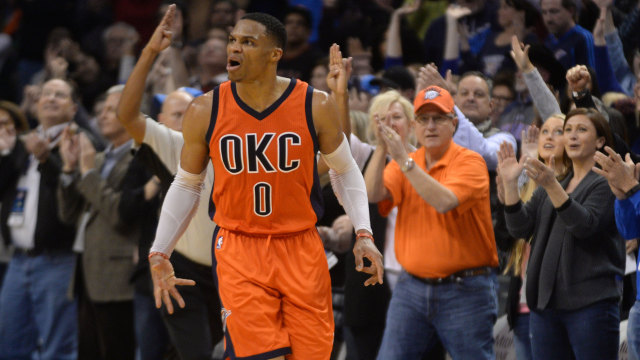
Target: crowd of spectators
point(496, 138)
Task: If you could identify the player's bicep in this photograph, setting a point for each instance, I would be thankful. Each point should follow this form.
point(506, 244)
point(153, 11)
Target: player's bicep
point(195, 151)
point(326, 122)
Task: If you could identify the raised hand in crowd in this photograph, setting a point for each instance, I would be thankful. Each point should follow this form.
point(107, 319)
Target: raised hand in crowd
point(393, 44)
point(428, 75)
point(408, 8)
point(337, 237)
point(57, 66)
point(30, 96)
point(391, 140)
point(509, 169)
point(529, 147)
point(603, 4)
point(452, 15)
point(456, 12)
point(622, 175)
point(578, 78)
point(542, 174)
point(37, 145)
point(520, 55)
point(598, 29)
point(160, 79)
point(69, 150)
point(508, 166)
point(87, 158)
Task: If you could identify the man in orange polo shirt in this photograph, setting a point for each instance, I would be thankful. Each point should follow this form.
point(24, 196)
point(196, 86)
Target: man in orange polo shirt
point(444, 237)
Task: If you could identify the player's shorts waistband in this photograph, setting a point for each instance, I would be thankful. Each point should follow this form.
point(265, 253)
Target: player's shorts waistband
point(267, 235)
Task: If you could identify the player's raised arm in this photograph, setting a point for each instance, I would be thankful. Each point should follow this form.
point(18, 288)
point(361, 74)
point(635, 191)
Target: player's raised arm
point(347, 183)
point(181, 202)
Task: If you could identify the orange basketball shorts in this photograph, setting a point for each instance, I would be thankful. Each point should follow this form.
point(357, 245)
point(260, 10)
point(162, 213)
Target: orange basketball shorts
point(276, 295)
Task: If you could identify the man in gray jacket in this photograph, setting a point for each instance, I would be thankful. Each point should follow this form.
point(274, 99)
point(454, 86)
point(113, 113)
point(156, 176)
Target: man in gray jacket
point(89, 195)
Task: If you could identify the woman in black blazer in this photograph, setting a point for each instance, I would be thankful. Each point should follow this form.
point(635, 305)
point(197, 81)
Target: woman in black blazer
point(577, 256)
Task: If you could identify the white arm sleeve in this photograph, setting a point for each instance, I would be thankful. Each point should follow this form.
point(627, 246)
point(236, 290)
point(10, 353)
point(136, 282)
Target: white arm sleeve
point(178, 208)
point(348, 184)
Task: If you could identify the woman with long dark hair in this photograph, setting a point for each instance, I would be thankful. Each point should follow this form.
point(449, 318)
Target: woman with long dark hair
point(577, 256)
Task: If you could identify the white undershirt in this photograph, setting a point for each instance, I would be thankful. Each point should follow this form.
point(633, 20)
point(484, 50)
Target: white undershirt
point(23, 226)
point(195, 243)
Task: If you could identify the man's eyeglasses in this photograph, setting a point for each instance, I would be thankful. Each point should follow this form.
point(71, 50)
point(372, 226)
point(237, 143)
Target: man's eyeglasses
point(56, 94)
point(438, 119)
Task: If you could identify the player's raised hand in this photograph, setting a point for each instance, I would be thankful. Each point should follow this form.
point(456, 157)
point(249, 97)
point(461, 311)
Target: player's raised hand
point(165, 281)
point(339, 71)
point(365, 248)
point(161, 37)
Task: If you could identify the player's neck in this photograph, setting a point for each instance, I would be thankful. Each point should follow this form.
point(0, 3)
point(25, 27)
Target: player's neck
point(262, 93)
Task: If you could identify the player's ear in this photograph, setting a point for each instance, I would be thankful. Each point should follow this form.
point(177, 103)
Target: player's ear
point(276, 54)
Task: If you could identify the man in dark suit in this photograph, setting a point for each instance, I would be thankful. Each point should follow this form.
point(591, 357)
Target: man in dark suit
point(89, 194)
point(35, 312)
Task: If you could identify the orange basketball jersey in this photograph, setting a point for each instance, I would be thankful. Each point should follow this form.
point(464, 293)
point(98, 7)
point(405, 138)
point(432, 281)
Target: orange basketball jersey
point(264, 163)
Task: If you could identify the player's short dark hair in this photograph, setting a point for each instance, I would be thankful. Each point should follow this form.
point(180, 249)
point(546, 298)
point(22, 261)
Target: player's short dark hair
point(275, 29)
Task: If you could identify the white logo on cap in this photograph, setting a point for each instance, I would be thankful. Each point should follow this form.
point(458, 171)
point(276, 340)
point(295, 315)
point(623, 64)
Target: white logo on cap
point(431, 94)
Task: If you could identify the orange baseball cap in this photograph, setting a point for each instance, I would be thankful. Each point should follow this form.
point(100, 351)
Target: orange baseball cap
point(436, 97)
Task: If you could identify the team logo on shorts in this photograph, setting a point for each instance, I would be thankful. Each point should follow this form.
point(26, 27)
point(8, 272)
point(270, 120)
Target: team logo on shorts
point(219, 243)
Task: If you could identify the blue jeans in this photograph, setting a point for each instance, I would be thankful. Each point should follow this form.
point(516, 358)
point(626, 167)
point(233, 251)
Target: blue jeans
point(521, 338)
point(592, 332)
point(35, 310)
point(151, 334)
point(633, 332)
point(461, 314)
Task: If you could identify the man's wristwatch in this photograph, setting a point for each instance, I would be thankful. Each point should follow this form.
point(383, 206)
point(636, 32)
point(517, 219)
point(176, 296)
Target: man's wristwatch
point(407, 165)
point(632, 191)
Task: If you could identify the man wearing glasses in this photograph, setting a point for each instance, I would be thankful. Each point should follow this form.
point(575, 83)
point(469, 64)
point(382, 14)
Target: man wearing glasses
point(444, 237)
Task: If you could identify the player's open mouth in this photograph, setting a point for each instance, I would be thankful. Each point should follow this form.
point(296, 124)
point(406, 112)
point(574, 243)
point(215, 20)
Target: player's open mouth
point(232, 65)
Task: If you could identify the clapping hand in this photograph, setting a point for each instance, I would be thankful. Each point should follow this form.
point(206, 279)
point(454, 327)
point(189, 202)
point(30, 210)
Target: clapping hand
point(542, 174)
point(529, 146)
point(622, 175)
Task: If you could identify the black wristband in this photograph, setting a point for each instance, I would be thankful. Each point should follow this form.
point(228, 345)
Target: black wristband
point(577, 95)
point(632, 191)
point(564, 205)
point(510, 209)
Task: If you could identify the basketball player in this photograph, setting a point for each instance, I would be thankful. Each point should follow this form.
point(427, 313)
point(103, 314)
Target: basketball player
point(262, 133)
